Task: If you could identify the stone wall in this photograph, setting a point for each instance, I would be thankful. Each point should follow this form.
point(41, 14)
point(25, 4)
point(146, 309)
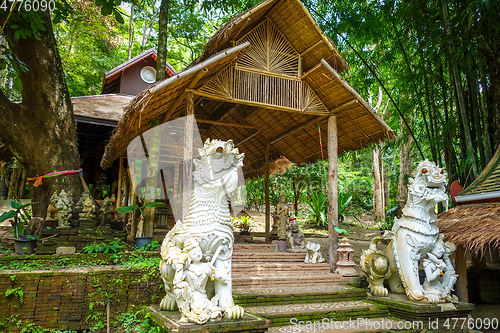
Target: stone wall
point(75, 298)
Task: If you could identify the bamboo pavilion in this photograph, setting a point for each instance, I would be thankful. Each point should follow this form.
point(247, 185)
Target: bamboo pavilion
point(267, 79)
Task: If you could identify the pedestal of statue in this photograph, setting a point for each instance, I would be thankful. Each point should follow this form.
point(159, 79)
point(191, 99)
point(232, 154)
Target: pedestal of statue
point(168, 321)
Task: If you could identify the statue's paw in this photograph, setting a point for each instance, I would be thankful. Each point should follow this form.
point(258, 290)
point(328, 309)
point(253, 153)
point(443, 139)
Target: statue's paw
point(168, 304)
point(433, 299)
point(379, 291)
point(234, 312)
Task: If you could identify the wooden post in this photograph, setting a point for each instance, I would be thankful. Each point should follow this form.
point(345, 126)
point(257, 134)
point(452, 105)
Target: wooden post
point(461, 266)
point(120, 176)
point(152, 178)
point(333, 209)
point(188, 156)
point(266, 190)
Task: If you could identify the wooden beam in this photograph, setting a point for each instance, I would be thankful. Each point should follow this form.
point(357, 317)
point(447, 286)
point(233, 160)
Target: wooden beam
point(312, 47)
point(120, 176)
point(266, 191)
point(206, 121)
point(461, 267)
point(181, 97)
point(333, 209)
point(342, 82)
point(247, 138)
point(264, 105)
point(341, 107)
point(295, 129)
point(188, 156)
point(312, 121)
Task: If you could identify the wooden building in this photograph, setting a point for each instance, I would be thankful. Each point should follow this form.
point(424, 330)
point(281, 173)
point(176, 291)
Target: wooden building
point(97, 116)
point(267, 79)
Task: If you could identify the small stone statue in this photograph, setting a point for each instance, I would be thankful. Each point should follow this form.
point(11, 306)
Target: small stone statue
point(51, 209)
point(282, 211)
point(189, 286)
point(63, 204)
point(313, 255)
point(88, 210)
point(295, 237)
point(439, 273)
point(79, 204)
point(106, 212)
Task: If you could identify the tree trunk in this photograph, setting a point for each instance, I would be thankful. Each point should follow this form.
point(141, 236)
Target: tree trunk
point(333, 199)
point(161, 61)
point(474, 91)
point(405, 169)
point(40, 130)
point(484, 106)
point(459, 91)
point(378, 206)
point(131, 32)
point(152, 178)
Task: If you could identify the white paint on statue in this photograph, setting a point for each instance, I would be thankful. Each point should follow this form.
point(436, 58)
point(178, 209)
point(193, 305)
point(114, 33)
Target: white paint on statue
point(313, 255)
point(208, 227)
point(414, 237)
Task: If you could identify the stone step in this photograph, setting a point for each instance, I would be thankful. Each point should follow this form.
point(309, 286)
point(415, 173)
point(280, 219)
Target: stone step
point(277, 267)
point(282, 315)
point(266, 280)
point(356, 325)
point(248, 256)
point(249, 297)
point(254, 247)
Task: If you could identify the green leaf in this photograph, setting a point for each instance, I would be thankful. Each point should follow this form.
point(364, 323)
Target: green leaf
point(100, 3)
point(154, 204)
point(16, 205)
point(119, 17)
point(8, 215)
point(106, 9)
point(14, 26)
point(126, 209)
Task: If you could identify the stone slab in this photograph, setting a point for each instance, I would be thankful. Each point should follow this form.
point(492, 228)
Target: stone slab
point(439, 317)
point(65, 250)
point(168, 321)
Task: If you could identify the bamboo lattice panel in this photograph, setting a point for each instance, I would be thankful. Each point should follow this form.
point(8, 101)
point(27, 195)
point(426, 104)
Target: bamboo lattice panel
point(239, 85)
point(269, 51)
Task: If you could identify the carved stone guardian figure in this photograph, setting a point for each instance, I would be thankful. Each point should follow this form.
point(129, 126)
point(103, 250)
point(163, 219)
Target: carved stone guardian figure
point(106, 212)
point(282, 212)
point(63, 204)
point(295, 237)
point(313, 255)
point(415, 237)
point(88, 210)
point(208, 224)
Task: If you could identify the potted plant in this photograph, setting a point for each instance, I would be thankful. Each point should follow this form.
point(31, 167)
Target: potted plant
point(244, 223)
point(140, 240)
point(24, 241)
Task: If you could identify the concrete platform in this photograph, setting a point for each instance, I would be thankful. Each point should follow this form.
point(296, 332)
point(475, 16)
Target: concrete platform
point(447, 317)
point(168, 322)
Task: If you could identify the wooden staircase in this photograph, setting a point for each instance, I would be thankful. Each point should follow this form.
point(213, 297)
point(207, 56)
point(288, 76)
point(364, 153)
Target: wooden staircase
point(280, 287)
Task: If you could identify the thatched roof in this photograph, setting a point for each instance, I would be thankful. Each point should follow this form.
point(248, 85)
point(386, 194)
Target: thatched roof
point(292, 130)
point(108, 106)
point(293, 20)
point(474, 226)
point(488, 181)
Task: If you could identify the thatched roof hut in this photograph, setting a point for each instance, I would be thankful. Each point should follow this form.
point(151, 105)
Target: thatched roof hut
point(475, 223)
point(474, 226)
point(269, 74)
